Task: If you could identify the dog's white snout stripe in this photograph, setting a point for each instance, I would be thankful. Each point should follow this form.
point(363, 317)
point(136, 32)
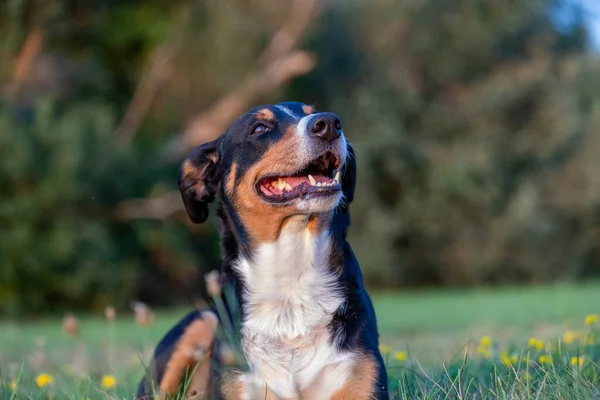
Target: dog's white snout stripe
point(302, 126)
point(287, 111)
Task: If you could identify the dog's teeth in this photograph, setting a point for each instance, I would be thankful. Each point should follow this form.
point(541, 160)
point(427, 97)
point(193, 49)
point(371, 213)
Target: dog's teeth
point(319, 184)
point(273, 184)
point(312, 180)
point(281, 184)
point(288, 187)
point(337, 176)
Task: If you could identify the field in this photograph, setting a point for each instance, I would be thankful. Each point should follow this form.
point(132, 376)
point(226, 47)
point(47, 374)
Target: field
point(511, 343)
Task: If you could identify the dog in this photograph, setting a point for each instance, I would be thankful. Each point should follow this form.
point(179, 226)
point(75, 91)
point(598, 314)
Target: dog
point(284, 176)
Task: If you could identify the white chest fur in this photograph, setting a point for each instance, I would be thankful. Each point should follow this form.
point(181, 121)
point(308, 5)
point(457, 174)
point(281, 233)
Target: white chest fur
point(291, 297)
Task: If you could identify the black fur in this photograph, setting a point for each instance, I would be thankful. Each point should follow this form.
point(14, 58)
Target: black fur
point(354, 324)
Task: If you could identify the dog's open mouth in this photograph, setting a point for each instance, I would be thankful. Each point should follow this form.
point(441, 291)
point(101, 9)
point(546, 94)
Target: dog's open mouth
point(320, 177)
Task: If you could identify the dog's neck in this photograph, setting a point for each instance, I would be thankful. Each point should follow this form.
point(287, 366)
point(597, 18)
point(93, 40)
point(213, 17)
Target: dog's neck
point(303, 245)
point(290, 287)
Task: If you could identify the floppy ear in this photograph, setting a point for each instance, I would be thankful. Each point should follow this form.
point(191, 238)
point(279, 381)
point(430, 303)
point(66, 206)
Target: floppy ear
point(349, 177)
point(199, 179)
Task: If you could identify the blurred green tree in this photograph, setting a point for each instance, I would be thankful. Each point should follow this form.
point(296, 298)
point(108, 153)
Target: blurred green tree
point(475, 126)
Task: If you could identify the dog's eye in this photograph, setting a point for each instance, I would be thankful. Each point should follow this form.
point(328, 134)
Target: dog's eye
point(260, 128)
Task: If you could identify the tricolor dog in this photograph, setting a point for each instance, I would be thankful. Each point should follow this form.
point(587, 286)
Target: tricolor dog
point(284, 177)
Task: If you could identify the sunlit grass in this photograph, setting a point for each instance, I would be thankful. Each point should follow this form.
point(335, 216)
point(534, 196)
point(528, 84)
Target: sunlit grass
point(526, 369)
point(537, 352)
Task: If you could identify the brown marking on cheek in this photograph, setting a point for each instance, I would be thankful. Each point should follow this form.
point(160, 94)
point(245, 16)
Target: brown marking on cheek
point(263, 221)
point(283, 154)
point(199, 335)
point(361, 384)
point(230, 185)
point(308, 109)
point(265, 113)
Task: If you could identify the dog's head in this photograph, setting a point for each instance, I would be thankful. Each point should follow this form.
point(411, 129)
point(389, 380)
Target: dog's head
point(272, 163)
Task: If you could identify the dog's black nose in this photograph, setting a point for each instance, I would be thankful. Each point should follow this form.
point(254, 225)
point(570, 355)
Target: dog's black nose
point(327, 126)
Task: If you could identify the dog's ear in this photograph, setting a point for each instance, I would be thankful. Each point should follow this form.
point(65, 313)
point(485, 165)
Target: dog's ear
point(349, 177)
point(199, 178)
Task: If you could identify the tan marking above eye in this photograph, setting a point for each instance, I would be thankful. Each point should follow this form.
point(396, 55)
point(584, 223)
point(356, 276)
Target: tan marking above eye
point(265, 113)
point(308, 109)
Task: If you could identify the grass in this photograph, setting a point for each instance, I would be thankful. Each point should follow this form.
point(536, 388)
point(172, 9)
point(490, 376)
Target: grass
point(438, 345)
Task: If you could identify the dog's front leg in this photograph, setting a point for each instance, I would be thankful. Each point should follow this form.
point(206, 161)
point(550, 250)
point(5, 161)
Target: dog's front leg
point(193, 351)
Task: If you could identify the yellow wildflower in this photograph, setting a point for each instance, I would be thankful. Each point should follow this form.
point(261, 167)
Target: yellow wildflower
point(108, 382)
point(384, 349)
point(545, 359)
point(591, 319)
point(577, 360)
point(506, 360)
point(12, 384)
point(400, 355)
point(484, 351)
point(532, 342)
point(514, 359)
point(569, 337)
point(540, 345)
point(486, 341)
point(44, 380)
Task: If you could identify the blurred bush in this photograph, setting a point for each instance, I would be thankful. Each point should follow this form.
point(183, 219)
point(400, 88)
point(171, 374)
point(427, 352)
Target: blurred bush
point(475, 125)
point(62, 242)
point(477, 131)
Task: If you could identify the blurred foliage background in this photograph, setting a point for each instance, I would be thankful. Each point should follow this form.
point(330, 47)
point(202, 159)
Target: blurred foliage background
point(476, 125)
